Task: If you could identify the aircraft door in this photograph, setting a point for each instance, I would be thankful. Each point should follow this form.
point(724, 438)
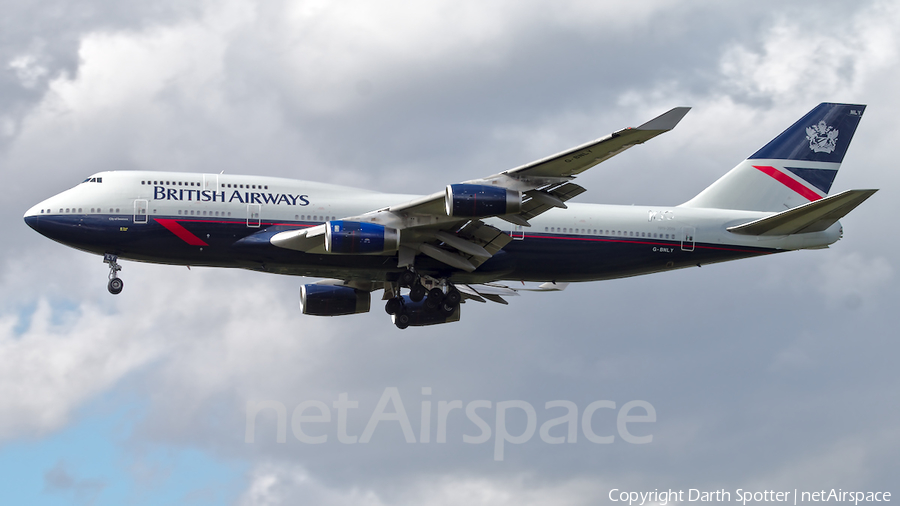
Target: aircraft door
point(253, 219)
point(687, 238)
point(211, 182)
point(518, 234)
point(140, 211)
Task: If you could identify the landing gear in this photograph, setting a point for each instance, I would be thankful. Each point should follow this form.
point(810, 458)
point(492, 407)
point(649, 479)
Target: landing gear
point(453, 296)
point(430, 300)
point(407, 278)
point(115, 284)
point(447, 309)
point(435, 298)
point(401, 321)
point(417, 292)
point(393, 306)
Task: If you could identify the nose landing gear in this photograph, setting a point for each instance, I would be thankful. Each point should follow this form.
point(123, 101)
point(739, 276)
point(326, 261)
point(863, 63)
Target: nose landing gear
point(115, 284)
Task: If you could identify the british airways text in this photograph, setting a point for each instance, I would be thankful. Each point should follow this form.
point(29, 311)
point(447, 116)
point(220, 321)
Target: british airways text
point(162, 193)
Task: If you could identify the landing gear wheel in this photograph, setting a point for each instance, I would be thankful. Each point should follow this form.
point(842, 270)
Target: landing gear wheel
point(393, 306)
point(435, 297)
point(453, 297)
point(401, 321)
point(417, 292)
point(407, 278)
point(115, 286)
point(447, 309)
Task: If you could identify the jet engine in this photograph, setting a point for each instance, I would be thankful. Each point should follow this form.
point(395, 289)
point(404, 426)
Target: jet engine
point(416, 314)
point(358, 238)
point(331, 300)
point(476, 201)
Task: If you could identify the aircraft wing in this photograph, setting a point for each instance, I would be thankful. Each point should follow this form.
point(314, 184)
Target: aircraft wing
point(545, 182)
point(447, 225)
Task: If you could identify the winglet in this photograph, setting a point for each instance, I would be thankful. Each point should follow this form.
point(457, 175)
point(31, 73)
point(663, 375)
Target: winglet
point(665, 121)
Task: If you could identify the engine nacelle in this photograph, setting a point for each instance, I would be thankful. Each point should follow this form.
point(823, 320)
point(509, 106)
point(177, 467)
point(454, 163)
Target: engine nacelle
point(331, 300)
point(359, 238)
point(420, 316)
point(476, 201)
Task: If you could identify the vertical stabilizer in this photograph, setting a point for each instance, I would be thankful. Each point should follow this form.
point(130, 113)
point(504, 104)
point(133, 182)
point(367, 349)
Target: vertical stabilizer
point(794, 168)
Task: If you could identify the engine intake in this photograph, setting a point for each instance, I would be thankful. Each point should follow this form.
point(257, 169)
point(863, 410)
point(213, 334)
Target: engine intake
point(478, 201)
point(331, 300)
point(359, 238)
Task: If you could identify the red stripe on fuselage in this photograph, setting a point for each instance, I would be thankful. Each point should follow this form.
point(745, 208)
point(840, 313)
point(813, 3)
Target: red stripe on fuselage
point(182, 233)
point(788, 181)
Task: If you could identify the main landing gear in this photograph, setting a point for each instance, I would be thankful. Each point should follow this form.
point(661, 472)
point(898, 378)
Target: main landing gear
point(439, 295)
point(115, 284)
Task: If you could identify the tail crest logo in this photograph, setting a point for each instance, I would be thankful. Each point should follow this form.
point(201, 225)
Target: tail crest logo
point(822, 138)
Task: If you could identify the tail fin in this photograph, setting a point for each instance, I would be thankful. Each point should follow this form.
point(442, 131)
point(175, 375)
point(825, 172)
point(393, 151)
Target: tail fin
point(794, 168)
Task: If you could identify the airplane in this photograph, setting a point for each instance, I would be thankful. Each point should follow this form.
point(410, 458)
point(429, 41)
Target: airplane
point(462, 243)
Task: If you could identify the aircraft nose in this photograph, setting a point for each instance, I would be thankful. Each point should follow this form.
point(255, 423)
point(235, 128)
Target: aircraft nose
point(32, 217)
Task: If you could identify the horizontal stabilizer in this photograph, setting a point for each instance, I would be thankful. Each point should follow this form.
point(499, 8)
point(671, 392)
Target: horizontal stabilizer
point(815, 216)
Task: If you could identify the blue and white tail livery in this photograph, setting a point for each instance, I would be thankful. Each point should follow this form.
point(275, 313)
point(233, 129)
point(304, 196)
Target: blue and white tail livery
point(431, 253)
point(795, 168)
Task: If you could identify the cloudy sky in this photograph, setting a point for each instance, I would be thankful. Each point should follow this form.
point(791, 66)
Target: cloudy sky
point(770, 373)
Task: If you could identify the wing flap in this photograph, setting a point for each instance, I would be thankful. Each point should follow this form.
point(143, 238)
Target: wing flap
point(491, 238)
point(538, 203)
point(814, 216)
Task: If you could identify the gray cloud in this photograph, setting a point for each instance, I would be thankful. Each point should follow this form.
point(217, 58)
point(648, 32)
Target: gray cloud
point(59, 480)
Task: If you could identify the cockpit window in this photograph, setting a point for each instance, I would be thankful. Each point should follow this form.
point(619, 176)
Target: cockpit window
point(93, 180)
